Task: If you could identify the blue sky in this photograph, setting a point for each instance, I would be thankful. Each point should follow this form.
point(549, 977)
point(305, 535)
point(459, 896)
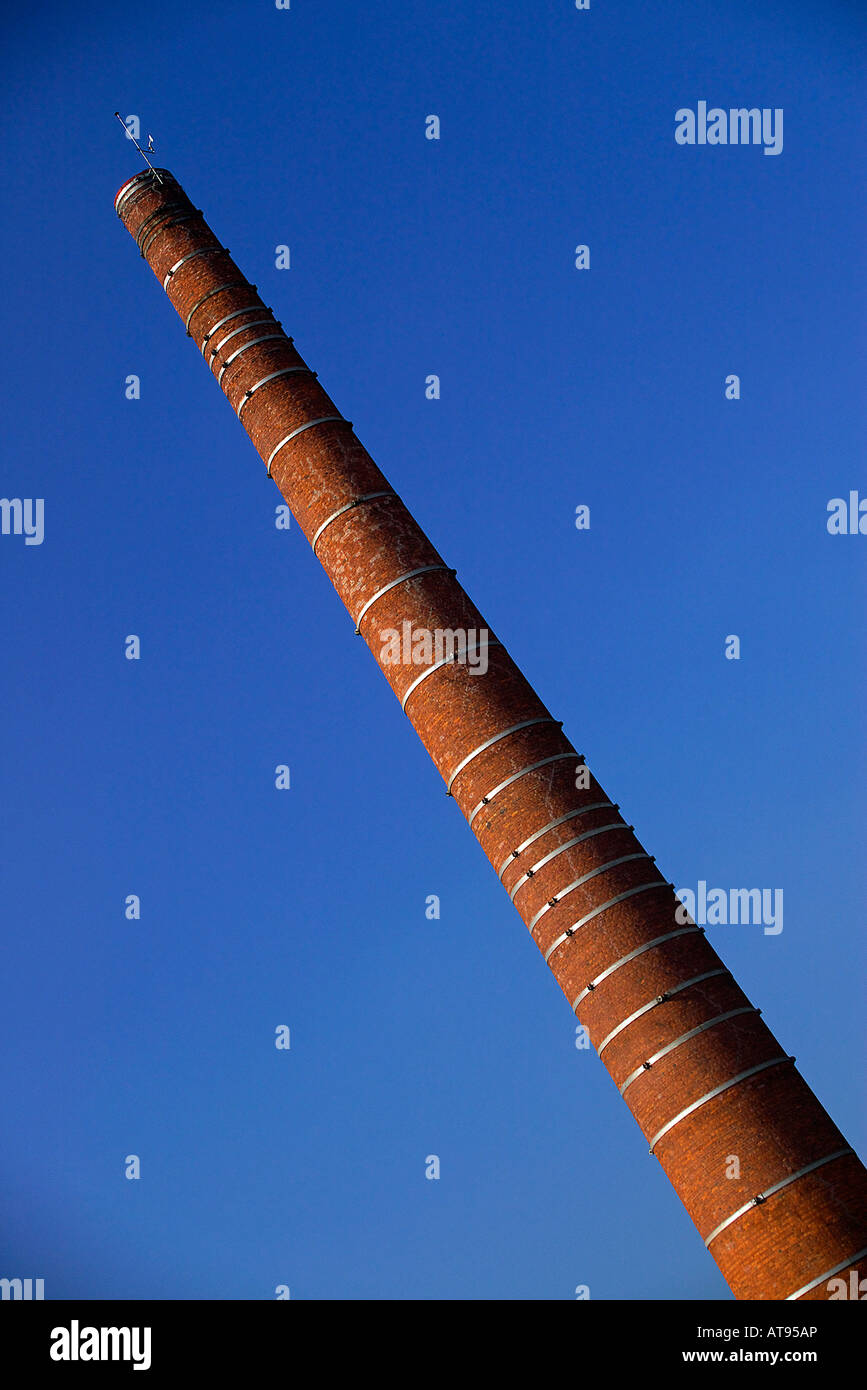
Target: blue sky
point(559, 387)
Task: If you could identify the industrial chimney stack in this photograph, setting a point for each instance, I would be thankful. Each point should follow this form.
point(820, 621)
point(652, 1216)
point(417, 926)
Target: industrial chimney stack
point(703, 1075)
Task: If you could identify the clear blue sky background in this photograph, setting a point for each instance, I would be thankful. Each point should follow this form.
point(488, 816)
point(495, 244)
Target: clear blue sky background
point(306, 908)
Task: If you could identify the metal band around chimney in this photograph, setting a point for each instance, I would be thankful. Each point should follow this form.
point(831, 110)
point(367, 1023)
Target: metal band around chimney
point(552, 824)
point(659, 999)
point(347, 506)
point(134, 193)
point(231, 285)
point(829, 1274)
point(191, 255)
point(639, 951)
point(603, 907)
point(164, 226)
point(148, 174)
point(153, 232)
point(272, 376)
point(256, 323)
point(437, 665)
point(501, 786)
point(401, 579)
point(489, 743)
point(236, 313)
point(561, 849)
point(684, 1037)
point(777, 1187)
point(717, 1091)
point(585, 878)
point(127, 188)
point(164, 211)
point(321, 420)
point(254, 342)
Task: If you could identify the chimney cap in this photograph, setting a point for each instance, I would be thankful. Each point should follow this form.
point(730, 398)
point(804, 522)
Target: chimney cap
point(144, 174)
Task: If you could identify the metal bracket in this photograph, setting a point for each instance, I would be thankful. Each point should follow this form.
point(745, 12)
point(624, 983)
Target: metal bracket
point(232, 285)
point(603, 907)
point(639, 951)
point(164, 210)
point(321, 420)
point(561, 849)
point(829, 1274)
point(202, 251)
point(437, 665)
point(254, 342)
point(585, 878)
point(255, 323)
point(236, 313)
point(489, 743)
point(762, 1197)
point(131, 184)
point(552, 824)
point(717, 1091)
point(402, 579)
point(347, 507)
point(164, 226)
point(284, 371)
point(660, 999)
point(514, 777)
point(685, 1037)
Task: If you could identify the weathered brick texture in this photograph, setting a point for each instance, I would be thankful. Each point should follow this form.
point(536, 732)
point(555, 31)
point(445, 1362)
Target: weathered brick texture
point(596, 904)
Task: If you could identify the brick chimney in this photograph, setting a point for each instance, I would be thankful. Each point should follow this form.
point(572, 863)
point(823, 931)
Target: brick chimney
point(704, 1077)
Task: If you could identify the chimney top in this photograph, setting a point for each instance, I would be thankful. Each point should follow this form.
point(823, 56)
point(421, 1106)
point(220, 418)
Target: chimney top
point(146, 175)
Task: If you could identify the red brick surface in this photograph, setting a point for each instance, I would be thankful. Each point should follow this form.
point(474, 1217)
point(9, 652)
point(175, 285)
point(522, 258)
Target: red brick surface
point(771, 1122)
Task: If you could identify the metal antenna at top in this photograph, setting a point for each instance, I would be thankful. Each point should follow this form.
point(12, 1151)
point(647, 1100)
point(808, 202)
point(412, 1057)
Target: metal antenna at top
point(139, 148)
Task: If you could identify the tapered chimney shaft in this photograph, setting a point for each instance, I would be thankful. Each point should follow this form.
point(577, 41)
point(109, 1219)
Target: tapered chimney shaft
point(776, 1193)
